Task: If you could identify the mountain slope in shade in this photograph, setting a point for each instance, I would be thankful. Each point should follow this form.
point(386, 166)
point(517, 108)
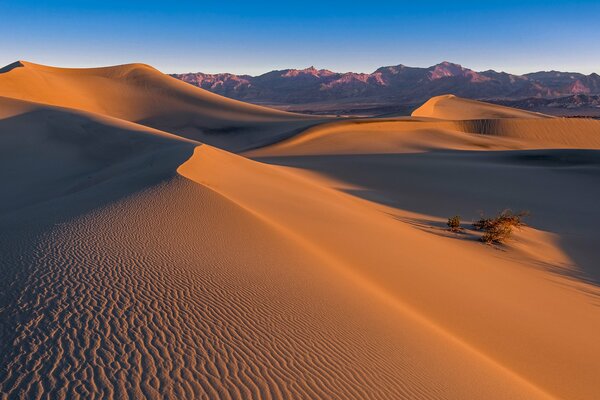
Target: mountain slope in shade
point(581, 105)
point(391, 85)
point(564, 83)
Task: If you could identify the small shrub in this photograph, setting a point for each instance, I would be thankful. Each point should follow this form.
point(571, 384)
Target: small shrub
point(497, 233)
point(500, 228)
point(454, 224)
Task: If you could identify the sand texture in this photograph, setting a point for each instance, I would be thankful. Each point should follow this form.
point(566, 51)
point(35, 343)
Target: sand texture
point(159, 241)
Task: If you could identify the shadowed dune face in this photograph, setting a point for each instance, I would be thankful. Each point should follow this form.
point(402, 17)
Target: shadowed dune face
point(556, 133)
point(439, 168)
point(141, 94)
point(139, 263)
point(558, 186)
point(48, 152)
point(381, 136)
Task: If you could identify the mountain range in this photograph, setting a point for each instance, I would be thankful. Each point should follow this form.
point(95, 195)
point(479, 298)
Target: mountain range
point(390, 88)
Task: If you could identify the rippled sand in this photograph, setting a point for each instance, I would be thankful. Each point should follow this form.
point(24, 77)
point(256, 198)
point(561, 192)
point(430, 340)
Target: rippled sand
point(138, 262)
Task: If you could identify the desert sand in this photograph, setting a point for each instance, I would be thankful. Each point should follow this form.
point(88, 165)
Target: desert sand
point(159, 241)
point(451, 107)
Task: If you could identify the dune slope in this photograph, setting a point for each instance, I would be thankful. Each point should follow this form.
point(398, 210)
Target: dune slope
point(141, 94)
point(202, 299)
point(450, 107)
point(48, 152)
point(139, 263)
point(416, 135)
point(139, 283)
point(447, 281)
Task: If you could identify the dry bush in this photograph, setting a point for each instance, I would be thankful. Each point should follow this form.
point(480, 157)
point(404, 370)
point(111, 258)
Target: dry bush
point(454, 224)
point(500, 228)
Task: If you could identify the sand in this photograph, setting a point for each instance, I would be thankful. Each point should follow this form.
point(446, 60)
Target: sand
point(139, 261)
point(141, 94)
point(450, 107)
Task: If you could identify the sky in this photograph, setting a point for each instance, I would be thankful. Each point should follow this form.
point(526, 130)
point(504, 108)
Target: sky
point(254, 37)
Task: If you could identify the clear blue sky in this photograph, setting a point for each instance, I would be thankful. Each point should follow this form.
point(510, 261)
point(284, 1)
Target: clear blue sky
point(255, 37)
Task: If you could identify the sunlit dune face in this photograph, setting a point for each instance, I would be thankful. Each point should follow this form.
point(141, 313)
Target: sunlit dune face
point(160, 241)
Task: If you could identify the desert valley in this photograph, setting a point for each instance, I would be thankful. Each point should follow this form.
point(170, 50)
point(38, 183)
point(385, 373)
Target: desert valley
point(161, 241)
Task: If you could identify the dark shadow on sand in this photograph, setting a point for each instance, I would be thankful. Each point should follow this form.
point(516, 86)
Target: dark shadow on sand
point(561, 189)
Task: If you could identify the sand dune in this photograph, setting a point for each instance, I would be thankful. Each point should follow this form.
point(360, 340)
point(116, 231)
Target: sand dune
point(201, 298)
point(450, 107)
point(48, 152)
point(571, 133)
point(139, 263)
point(381, 136)
point(406, 135)
point(154, 290)
point(141, 94)
point(417, 269)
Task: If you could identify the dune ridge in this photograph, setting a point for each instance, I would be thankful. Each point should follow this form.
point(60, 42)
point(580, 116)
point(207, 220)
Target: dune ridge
point(367, 240)
point(141, 94)
point(141, 262)
point(379, 136)
point(450, 107)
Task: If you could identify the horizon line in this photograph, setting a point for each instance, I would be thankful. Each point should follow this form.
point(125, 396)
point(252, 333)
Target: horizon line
point(276, 68)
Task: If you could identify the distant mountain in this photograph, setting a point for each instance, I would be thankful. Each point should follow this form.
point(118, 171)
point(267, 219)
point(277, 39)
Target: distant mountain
point(391, 86)
point(574, 105)
point(568, 82)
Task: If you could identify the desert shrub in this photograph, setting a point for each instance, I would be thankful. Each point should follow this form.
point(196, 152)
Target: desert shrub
point(497, 233)
point(454, 224)
point(500, 228)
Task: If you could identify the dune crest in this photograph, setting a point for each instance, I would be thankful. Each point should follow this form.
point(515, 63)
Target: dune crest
point(450, 107)
point(141, 257)
point(313, 210)
point(417, 135)
point(141, 94)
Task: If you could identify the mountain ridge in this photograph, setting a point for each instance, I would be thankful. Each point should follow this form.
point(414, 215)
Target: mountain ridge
point(392, 85)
